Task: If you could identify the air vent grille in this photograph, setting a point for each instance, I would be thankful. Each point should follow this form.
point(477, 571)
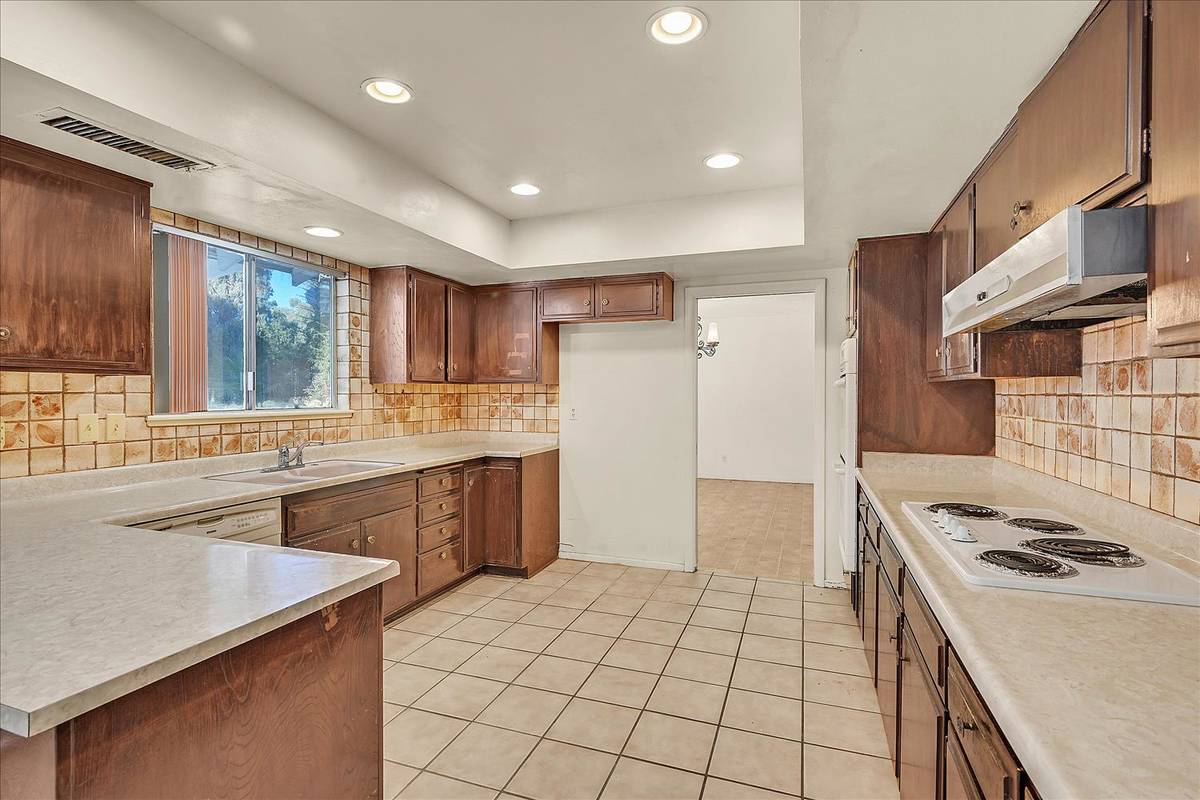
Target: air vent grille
point(118, 141)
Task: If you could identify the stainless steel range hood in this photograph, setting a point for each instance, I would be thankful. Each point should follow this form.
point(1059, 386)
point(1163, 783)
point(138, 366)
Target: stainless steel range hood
point(1072, 258)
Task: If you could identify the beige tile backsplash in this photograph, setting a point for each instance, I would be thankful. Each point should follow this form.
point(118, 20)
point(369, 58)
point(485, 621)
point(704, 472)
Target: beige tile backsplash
point(40, 410)
point(1129, 427)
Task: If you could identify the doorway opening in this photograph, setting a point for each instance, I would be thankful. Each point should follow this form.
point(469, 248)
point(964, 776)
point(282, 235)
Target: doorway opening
point(759, 435)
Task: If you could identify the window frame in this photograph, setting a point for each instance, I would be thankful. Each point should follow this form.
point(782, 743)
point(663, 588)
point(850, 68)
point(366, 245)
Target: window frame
point(250, 321)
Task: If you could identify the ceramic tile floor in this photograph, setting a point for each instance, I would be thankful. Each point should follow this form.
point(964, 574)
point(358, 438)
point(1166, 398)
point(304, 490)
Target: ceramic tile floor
point(601, 681)
point(755, 528)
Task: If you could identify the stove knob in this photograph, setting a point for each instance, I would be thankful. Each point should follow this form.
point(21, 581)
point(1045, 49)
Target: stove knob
point(961, 533)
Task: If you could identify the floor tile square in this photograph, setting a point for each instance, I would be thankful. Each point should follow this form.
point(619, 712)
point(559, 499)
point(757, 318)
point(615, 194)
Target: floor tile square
point(693, 580)
point(653, 631)
point(571, 598)
point(720, 618)
point(764, 713)
point(404, 683)
point(760, 676)
point(462, 696)
point(520, 708)
point(727, 583)
point(710, 640)
point(641, 656)
point(836, 689)
point(646, 575)
point(697, 666)
point(582, 583)
point(832, 633)
point(621, 686)
point(397, 643)
point(443, 654)
point(568, 565)
point(551, 616)
point(529, 593)
point(479, 630)
point(732, 601)
point(580, 646)
point(428, 786)
point(487, 586)
point(604, 571)
point(634, 590)
point(816, 594)
point(497, 663)
point(684, 698)
point(845, 729)
point(666, 612)
point(850, 660)
point(784, 590)
point(429, 621)
point(563, 675)
point(777, 607)
point(779, 627)
point(457, 603)
point(484, 755)
point(717, 789)
point(548, 578)
point(391, 711)
point(599, 623)
point(526, 637)
point(837, 775)
point(616, 604)
point(830, 612)
point(557, 771)
point(758, 760)
point(395, 778)
point(682, 743)
point(416, 736)
point(507, 610)
point(637, 780)
point(600, 726)
point(677, 594)
point(768, 648)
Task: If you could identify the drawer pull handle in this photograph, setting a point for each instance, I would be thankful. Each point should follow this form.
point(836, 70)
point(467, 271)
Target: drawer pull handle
point(964, 726)
point(891, 637)
point(370, 540)
point(443, 556)
point(354, 544)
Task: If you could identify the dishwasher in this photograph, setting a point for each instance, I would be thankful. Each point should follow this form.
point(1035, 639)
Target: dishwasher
point(257, 523)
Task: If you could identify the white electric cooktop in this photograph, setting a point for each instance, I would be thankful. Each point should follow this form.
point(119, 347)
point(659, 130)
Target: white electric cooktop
point(1042, 550)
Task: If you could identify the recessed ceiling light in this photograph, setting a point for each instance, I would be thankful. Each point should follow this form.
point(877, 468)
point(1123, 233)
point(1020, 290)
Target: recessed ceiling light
point(387, 90)
point(322, 231)
point(722, 160)
point(677, 25)
point(524, 189)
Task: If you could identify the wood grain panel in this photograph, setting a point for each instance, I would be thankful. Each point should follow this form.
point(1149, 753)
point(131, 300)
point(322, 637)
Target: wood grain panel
point(887, 685)
point(502, 486)
point(997, 188)
point(394, 536)
point(993, 764)
point(389, 325)
point(439, 568)
point(539, 511)
point(429, 511)
point(565, 300)
point(959, 242)
point(295, 713)
point(935, 261)
point(432, 485)
point(324, 508)
point(460, 335)
point(439, 534)
point(426, 327)
point(475, 518)
point(27, 765)
point(628, 297)
point(922, 721)
point(75, 271)
point(899, 411)
point(1031, 353)
point(507, 335)
point(345, 539)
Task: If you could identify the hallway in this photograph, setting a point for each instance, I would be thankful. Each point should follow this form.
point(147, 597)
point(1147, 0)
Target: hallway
point(755, 528)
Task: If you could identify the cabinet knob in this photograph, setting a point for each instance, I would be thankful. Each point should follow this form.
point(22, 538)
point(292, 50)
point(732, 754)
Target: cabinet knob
point(5, 332)
point(370, 540)
point(587, 303)
point(604, 301)
point(1020, 206)
point(441, 365)
point(454, 365)
point(443, 555)
point(471, 482)
point(963, 726)
point(354, 544)
point(445, 481)
point(442, 530)
point(442, 506)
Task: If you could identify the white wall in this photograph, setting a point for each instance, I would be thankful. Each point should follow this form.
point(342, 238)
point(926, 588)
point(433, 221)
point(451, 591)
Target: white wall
point(627, 492)
point(754, 398)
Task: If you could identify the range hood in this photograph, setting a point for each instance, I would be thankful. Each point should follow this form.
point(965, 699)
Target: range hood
point(1060, 272)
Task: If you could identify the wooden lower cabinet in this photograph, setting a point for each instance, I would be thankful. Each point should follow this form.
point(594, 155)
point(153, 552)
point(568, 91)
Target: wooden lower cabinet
point(922, 727)
point(393, 536)
point(959, 782)
point(501, 482)
point(439, 568)
point(887, 684)
point(345, 539)
point(474, 517)
point(870, 603)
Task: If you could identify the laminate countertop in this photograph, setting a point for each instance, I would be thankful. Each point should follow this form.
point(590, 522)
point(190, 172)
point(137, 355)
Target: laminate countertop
point(91, 610)
point(1098, 698)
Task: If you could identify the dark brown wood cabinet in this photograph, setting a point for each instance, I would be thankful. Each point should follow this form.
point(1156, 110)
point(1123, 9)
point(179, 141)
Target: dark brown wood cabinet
point(870, 607)
point(460, 334)
point(566, 300)
point(506, 346)
point(393, 536)
point(935, 287)
point(475, 515)
point(426, 328)
point(422, 328)
point(1174, 192)
point(958, 264)
point(995, 768)
point(75, 265)
point(922, 726)
point(501, 496)
point(1083, 124)
point(634, 296)
point(887, 683)
point(345, 539)
point(997, 188)
point(959, 783)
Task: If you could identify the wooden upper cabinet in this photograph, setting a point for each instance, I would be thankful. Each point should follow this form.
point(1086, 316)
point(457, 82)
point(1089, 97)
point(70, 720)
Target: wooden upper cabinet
point(507, 333)
point(1082, 126)
point(959, 247)
point(629, 297)
point(935, 254)
point(75, 271)
point(426, 327)
point(389, 325)
point(1174, 194)
point(460, 334)
point(568, 301)
point(997, 188)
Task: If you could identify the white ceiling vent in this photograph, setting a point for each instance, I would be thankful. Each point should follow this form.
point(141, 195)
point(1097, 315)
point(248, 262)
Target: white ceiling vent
point(74, 124)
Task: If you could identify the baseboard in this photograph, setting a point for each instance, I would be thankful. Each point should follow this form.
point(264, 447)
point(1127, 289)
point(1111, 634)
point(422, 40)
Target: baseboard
point(629, 562)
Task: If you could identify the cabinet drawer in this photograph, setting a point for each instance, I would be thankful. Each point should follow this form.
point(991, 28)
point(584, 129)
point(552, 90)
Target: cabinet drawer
point(926, 633)
point(890, 563)
point(313, 515)
point(438, 483)
point(438, 567)
point(438, 508)
point(571, 301)
point(438, 534)
point(994, 767)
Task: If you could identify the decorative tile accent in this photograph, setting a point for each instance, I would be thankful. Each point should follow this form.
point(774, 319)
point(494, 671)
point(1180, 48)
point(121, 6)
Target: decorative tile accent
point(1129, 427)
point(41, 410)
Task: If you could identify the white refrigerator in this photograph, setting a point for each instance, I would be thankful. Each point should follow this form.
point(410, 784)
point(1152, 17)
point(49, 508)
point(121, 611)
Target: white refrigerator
point(843, 467)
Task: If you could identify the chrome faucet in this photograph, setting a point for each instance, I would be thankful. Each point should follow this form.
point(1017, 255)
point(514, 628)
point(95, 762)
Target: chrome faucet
point(289, 459)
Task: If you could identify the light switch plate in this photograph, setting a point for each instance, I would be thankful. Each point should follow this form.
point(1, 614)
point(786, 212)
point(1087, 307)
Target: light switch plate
point(114, 427)
point(89, 427)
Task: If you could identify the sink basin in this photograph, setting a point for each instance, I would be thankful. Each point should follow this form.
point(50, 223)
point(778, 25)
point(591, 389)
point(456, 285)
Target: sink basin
point(334, 468)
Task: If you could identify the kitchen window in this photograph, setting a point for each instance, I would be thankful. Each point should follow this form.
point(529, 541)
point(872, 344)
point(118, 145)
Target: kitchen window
point(243, 331)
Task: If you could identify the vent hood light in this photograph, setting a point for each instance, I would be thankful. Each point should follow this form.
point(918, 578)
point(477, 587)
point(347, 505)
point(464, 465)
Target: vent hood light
point(524, 189)
point(387, 90)
point(322, 231)
point(677, 25)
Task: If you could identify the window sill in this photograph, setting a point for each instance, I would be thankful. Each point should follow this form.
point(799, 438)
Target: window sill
point(221, 417)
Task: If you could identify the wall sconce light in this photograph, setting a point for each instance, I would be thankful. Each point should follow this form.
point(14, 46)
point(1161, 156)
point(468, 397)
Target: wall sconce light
point(706, 345)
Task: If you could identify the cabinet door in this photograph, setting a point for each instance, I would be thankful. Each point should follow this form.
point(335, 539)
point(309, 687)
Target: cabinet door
point(887, 686)
point(389, 325)
point(959, 246)
point(1174, 318)
point(997, 188)
point(461, 334)
point(935, 365)
point(922, 722)
point(394, 536)
point(1082, 126)
point(852, 316)
point(959, 782)
point(426, 328)
point(75, 269)
point(501, 493)
point(506, 335)
point(638, 297)
point(870, 604)
point(568, 301)
point(344, 539)
point(475, 538)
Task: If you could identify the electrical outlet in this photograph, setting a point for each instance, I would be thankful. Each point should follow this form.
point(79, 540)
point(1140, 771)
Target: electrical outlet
point(89, 427)
point(572, 416)
point(114, 427)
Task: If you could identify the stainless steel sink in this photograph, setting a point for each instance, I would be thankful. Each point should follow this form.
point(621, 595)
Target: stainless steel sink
point(334, 468)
